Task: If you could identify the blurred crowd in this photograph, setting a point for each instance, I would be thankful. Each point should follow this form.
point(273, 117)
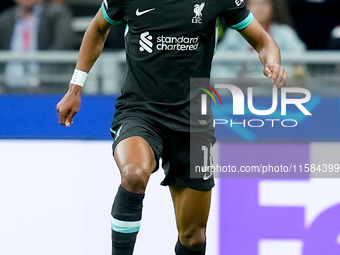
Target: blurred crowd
point(34, 25)
point(39, 25)
point(296, 25)
point(316, 22)
point(70, 20)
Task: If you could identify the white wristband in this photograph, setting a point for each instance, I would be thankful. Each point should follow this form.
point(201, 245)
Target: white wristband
point(79, 77)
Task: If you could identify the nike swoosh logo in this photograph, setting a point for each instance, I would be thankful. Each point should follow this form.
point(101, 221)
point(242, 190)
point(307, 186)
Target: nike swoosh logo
point(206, 177)
point(118, 132)
point(138, 13)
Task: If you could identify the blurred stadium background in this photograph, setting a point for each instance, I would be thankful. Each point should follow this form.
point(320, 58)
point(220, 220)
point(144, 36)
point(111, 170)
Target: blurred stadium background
point(57, 184)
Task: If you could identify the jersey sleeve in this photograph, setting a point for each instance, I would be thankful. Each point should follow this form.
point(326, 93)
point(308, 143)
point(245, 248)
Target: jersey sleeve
point(113, 11)
point(236, 15)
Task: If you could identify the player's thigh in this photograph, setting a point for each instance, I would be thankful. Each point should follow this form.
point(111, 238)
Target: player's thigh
point(135, 159)
point(187, 161)
point(191, 209)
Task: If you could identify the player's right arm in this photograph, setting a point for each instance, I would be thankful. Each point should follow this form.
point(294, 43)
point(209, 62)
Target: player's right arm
point(91, 47)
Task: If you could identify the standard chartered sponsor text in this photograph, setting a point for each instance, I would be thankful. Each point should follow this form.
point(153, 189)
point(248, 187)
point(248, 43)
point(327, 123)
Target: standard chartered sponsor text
point(181, 43)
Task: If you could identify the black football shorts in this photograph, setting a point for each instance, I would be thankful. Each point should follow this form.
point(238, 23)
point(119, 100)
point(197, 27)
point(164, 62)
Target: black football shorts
point(183, 154)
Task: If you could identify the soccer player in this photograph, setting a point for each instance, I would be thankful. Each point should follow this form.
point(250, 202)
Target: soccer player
point(167, 43)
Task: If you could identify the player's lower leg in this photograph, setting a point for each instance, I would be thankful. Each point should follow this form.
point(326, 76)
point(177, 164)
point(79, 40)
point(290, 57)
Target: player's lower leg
point(136, 161)
point(192, 210)
point(126, 218)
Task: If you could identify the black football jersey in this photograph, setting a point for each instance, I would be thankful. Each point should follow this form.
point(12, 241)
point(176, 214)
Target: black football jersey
point(167, 43)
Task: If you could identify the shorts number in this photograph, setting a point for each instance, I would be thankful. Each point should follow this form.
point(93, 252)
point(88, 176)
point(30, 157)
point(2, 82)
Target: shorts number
point(207, 154)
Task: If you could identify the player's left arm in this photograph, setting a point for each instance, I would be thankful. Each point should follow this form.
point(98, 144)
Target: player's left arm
point(269, 52)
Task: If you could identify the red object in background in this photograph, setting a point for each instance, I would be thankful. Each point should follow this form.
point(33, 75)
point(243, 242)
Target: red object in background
point(26, 40)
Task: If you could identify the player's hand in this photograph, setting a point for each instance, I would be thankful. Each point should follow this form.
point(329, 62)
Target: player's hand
point(69, 105)
point(277, 74)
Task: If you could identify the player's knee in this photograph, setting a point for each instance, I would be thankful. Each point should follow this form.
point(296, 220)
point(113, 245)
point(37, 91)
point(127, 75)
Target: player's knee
point(193, 239)
point(135, 178)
